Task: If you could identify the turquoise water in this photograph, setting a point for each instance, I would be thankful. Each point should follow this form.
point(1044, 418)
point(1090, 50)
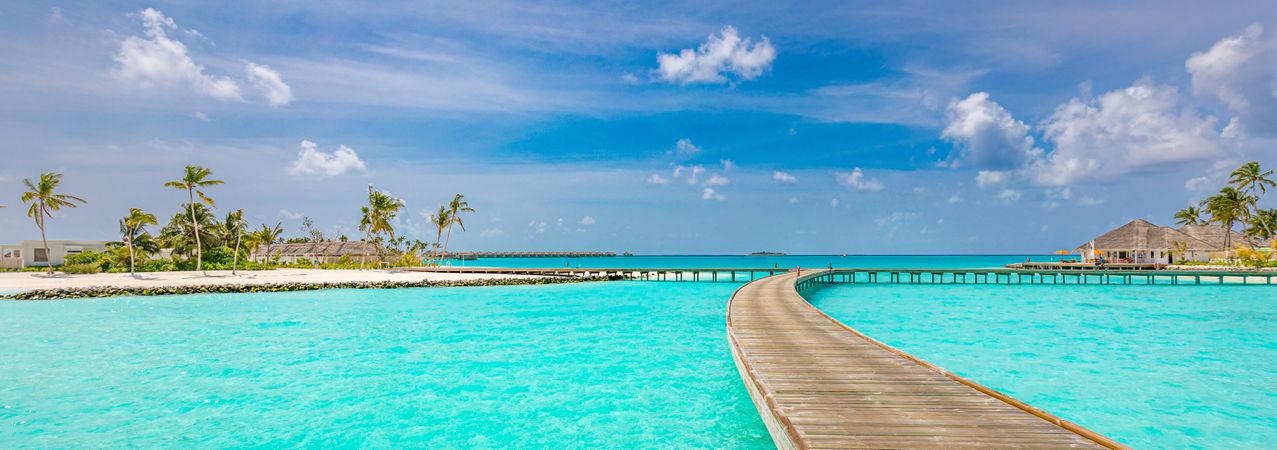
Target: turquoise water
point(598, 365)
point(735, 261)
point(1151, 366)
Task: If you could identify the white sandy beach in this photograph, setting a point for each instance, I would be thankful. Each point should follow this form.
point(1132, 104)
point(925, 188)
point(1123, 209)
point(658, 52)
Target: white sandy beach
point(21, 281)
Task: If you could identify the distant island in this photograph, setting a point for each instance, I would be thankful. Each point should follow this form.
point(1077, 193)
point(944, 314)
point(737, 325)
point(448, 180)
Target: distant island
point(766, 254)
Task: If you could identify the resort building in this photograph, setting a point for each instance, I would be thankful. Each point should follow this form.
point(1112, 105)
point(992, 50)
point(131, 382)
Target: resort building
point(324, 252)
point(1142, 242)
point(32, 253)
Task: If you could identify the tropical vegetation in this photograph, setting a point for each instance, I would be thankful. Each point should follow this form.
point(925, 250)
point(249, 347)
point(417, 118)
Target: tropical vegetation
point(194, 238)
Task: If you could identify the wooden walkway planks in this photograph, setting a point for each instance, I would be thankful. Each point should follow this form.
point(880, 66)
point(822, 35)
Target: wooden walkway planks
point(820, 384)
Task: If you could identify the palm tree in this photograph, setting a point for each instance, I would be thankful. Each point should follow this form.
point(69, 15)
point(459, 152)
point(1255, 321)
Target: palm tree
point(440, 220)
point(1251, 176)
point(377, 217)
point(235, 223)
point(1263, 216)
point(187, 236)
point(195, 177)
point(316, 237)
point(44, 202)
point(1225, 209)
point(131, 225)
point(265, 236)
point(457, 206)
point(1188, 216)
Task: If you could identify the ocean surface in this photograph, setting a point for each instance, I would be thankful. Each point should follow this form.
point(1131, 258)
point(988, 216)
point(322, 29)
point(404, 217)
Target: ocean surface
point(594, 365)
point(1150, 366)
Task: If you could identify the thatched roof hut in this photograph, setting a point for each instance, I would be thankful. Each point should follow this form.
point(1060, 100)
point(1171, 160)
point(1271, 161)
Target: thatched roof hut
point(1141, 235)
point(323, 251)
point(1213, 235)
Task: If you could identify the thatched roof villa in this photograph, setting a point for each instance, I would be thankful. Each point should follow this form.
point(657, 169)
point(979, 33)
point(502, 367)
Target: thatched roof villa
point(325, 252)
point(1143, 242)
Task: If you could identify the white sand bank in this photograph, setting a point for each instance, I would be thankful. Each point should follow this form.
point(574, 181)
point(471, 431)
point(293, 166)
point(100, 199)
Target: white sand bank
point(22, 281)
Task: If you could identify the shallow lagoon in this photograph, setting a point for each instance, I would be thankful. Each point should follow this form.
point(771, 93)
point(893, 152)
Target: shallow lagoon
point(598, 364)
point(1151, 366)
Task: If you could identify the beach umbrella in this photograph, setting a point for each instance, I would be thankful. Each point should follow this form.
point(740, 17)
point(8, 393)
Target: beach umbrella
point(1063, 252)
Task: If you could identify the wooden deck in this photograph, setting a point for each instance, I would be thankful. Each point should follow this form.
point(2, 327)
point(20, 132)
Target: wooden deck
point(820, 384)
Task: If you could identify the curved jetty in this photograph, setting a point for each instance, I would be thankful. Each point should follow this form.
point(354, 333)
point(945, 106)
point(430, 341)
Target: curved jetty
point(820, 384)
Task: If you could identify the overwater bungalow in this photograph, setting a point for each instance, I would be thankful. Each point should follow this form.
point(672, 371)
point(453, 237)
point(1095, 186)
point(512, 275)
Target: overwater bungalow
point(1142, 242)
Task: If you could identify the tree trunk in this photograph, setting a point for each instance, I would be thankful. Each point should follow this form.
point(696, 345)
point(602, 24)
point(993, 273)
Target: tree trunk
point(235, 261)
point(199, 252)
point(364, 257)
point(39, 221)
point(446, 241)
point(132, 262)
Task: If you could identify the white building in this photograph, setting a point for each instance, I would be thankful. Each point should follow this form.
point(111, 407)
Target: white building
point(32, 253)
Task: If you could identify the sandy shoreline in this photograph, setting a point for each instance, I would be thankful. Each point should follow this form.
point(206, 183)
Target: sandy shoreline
point(25, 281)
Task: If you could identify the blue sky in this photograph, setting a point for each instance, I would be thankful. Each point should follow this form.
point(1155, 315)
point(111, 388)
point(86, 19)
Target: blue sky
point(898, 127)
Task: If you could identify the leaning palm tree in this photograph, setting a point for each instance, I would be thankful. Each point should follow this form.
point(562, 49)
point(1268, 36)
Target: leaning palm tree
point(457, 206)
point(195, 177)
point(377, 217)
point(133, 225)
point(44, 202)
point(1252, 177)
point(440, 220)
point(1188, 216)
point(1226, 208)
point(235, 223)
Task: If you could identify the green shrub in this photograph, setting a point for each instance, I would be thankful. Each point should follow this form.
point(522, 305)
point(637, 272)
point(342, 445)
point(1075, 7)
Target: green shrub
point(83, 268)
point(84, 258)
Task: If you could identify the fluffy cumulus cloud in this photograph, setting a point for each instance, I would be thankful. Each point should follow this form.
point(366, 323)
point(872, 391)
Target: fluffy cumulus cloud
point(986, 135)
point(587, 220)
point(1142, 128)
point(723, 54)
point(857, 180)
point(711, 194)
point(684, 149)
point(717, 180)
point(312, 161)
point(1241, 71)
point(268, 82)
point(784, 178)
point(989, 178)
point(158, 60)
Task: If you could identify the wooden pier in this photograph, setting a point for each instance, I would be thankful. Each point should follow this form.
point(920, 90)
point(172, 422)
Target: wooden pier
point(820, 384)
point(1030, 276)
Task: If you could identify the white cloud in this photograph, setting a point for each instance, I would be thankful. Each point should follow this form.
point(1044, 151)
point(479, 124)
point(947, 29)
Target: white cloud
point(685, 149)
point(954, 199)
point(1196, 184)
point(856, 180)
point(919, 190)
point(1241, 71)
point(694, 172)
point(201, 116)
point(629, 78)
point(491, 232)
point(833, 203)
point(710, 194)
point(727, 164)
point(290, 215)
point(157, 60)
point(783, 177)
point(987, 178)
point(269, 83)
point(1008, 196)
point(793, 200)
point(1138, 129)
point(312, 161)
point(657, 179)
point(717, 180)
point(986, 135)
point(537, 227)
point(722, 54)
point(587, 220)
